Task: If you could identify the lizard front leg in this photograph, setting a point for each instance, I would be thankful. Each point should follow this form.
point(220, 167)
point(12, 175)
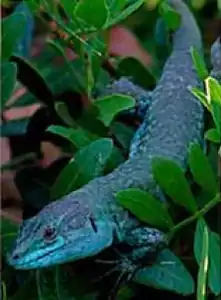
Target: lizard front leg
point(124, 86)
point(145, 242)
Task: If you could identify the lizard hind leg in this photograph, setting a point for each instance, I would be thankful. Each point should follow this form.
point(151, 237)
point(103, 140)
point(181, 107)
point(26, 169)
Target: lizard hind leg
point(125, 86)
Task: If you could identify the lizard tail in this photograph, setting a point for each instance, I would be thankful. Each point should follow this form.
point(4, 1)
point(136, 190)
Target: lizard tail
point(188, 34)
point(215, 56)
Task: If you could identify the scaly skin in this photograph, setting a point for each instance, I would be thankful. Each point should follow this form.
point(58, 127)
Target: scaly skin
point(88, 220)
point(124, 86)
point(216, 59)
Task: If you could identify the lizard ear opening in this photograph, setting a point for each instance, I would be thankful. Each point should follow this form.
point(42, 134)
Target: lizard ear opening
point(94, 226)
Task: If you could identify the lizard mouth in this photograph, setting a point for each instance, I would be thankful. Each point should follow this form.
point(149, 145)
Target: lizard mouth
point(26, 262)
point(35, 259)
point(48, 253)
point(85, 242)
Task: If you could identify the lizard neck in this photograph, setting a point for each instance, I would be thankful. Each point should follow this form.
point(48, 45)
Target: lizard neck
point(135, 172)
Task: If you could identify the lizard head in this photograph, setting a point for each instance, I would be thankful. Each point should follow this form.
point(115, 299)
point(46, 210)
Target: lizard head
point(63, 231)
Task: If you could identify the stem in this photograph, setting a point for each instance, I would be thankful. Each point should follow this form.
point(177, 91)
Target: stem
point(200, 213)
point(17, 160)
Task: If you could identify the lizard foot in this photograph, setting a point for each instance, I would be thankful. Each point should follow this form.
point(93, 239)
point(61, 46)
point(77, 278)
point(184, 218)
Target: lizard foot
point(124, 266)
point(145, 243)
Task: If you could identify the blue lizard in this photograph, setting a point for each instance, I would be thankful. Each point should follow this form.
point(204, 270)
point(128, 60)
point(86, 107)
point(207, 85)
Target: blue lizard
point(88, 220)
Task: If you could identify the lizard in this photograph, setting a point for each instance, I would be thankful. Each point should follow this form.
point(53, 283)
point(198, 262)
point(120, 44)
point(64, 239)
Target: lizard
point(215, 58)
point(89, 220)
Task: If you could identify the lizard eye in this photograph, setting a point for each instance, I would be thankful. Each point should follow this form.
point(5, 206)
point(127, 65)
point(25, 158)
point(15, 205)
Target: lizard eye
point(49, 233)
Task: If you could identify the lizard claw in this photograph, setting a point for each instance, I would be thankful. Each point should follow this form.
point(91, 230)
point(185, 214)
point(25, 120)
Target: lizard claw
point(126, 268)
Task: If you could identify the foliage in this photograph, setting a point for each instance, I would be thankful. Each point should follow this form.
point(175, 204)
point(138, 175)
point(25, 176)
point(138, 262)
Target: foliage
point(211, 98)
point(96, 140)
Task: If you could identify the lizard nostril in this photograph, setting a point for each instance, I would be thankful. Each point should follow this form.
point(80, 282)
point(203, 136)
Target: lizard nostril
point(15, 256)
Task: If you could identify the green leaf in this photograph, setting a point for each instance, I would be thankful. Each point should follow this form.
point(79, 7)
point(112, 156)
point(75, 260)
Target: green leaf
point(34, 81)
point(62, 111)
point(92, 158)
point(125, 293)
point(9, 231)
point(145, 207)
point(28, 287)
point(123, 134)
point(93, 13)
point(45, 284)
point(82, 138)
point(219, 6)
point(52, 8)
point(62, 79)
point(132, 67)
point(68, 7)
point(171, 17)
point(9, 72)
point(55, 284)
point(198, 4)
point(89, 73)
point(214, 275)
point(167, 273)
point(201, 96)
point(74, 289)
point(116, 6)
point(4, 291)
point(204, 263)
point(87, 164)
point(115, 159)
point(13, 28)
point(33, 5)
point(61, 280)
point(110, 106)
point(65, 132)
point(198, 239)
point(95, 61)
point(99, 44)
point(214, 263)
point(199, 64)
point(66, 181)
point(213, 90)
point(213, 135)
point(216, 113)
point(171, 178)
point(79, 137)
point(88, 120)
point(125, 13)
point(201, 169)
point(75, 76)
